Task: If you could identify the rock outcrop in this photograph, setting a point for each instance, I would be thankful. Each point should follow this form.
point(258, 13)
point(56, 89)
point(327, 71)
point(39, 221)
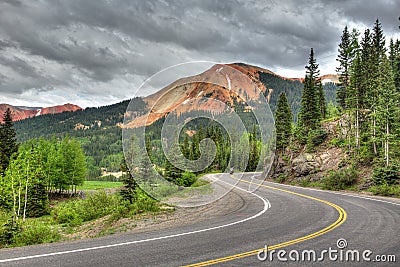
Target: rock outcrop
point(315, 164)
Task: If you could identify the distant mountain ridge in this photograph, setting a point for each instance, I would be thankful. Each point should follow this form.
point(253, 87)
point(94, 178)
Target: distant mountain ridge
point(21, 113)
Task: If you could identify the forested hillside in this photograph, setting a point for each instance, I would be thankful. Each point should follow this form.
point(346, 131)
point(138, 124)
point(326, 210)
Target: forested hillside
point(95, 128)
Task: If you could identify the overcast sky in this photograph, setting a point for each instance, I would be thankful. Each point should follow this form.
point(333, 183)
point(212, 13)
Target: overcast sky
point(97, 52)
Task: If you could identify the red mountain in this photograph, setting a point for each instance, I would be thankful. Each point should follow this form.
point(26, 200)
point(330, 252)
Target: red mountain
point(21, 113)
point(221, 82)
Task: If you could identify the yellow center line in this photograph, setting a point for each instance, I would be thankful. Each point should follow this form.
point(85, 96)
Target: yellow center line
point(340, 220)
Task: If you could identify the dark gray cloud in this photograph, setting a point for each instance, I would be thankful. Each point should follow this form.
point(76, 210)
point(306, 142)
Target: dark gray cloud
point(96, 52)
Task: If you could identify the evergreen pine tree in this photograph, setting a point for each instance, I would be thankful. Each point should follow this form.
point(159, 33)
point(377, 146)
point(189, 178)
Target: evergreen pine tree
point(130, 185)
point(146, 171)
point(283, 122)
point(378, 50)
point(8, 141)
point(195, 147)
point(185, 147)
point(355, 97)
point(321, 100)
point(378, 42)
point(254, 155)
point(387, 111)
point(343, 69)
point(310, 113)
point(347, 51)
point(172, 164)
point(130, 161)
point(38, 200)
point(367, 65)
point(394, 58)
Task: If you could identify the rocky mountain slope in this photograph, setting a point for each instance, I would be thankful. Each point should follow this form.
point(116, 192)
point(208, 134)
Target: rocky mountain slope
point(221, 82)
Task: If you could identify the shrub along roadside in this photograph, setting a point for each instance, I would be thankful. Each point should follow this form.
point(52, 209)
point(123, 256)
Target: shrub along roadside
point(75, 212)
point(389, 175)
point(97, 205)
point(69, 214)
point(28, 232)
point(385, 190)
point(340, 179)
point(36, 232)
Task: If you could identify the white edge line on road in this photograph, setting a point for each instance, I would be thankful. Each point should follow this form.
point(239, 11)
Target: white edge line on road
point(266, 202)
point(333, 192)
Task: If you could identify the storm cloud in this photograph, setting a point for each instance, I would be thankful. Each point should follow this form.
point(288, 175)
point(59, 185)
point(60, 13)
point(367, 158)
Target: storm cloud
point(98, 52)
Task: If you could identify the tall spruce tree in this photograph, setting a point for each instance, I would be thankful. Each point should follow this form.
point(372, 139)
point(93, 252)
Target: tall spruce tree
point(378, 51)
point(343, 69)
point(310, 113)
point(348, 48)
point(354, 99)
point(185, 147)
point(367, 67)
point(321, 100)
point(379, 43)
point(254, 153)
point(283, 122)
point(37, 201)
point(387, 111)
point(8, 141)
point(394, 58)
point(172, 164)
point(129, 192)
point(131, 159)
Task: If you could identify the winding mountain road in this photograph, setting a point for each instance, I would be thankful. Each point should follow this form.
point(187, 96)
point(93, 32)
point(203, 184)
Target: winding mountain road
point(278, 216)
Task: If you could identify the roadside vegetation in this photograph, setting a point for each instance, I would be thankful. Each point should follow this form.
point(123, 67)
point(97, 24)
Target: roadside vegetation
point(68, 216)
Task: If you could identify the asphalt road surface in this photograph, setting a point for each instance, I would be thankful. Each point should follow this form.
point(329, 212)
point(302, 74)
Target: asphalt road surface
point(302, 226)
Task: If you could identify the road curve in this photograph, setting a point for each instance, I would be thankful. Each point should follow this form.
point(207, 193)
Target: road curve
point(282, 217)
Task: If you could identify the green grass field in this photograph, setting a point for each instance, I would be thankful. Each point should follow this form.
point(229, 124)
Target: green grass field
point(96, 185)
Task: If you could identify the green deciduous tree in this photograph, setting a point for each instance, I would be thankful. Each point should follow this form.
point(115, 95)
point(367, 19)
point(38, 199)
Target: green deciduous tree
point(26, 183)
